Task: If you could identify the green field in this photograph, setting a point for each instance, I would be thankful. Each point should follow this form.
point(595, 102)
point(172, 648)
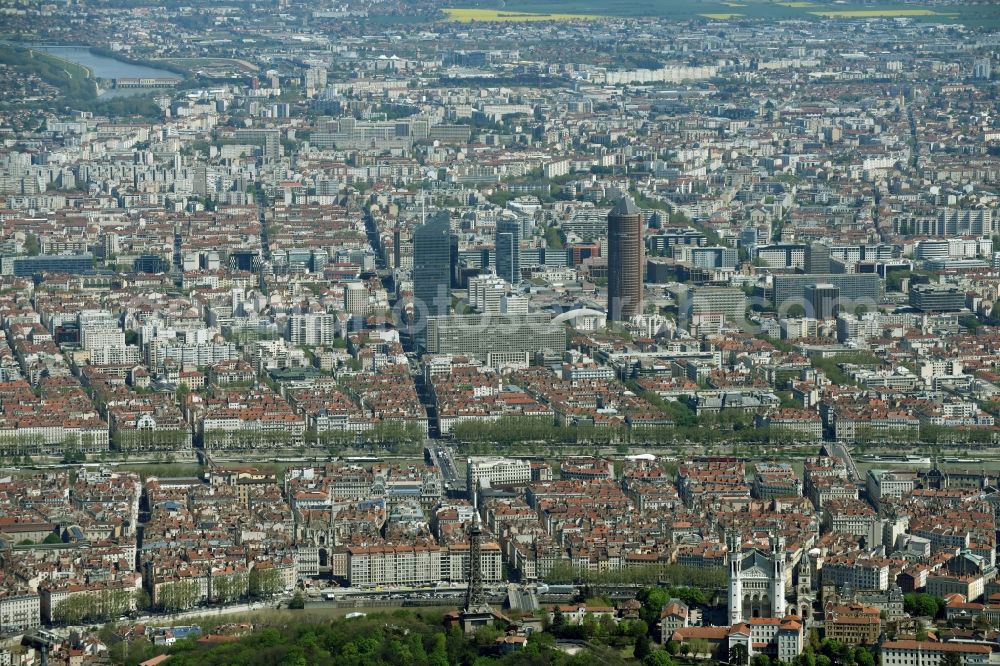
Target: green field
point(979, 15)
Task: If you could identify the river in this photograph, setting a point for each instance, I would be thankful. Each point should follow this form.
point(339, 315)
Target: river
point(103, 67)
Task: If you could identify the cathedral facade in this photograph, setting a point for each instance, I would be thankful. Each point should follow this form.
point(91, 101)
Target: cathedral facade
point(756, 579)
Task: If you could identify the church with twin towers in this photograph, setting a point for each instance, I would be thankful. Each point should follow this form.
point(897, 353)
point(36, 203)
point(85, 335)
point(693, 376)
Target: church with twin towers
point(758, 581)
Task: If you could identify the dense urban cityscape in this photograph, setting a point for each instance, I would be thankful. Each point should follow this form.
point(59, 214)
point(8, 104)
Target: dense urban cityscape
point(388, 332)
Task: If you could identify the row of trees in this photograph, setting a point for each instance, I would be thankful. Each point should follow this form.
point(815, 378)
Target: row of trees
point(16, 443)
point(728, 425)
point(527, 429)
point(707, 578)
point(107, 604)
point(264, 583)
point(145, 440)
point(524, 433)
point(229, 587)
point(383, 433)
point(934, 434)
point(178, 596)
point(924, 434)
point(259, 583)
point(732, 426)
point(246, 438)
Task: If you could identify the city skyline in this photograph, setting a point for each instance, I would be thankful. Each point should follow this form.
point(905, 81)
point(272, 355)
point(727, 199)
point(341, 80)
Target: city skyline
point(568, 334)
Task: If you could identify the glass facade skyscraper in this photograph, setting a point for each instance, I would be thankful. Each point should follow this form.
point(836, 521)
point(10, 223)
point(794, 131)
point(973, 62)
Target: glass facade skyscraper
point(431, 271)
point(508, 250)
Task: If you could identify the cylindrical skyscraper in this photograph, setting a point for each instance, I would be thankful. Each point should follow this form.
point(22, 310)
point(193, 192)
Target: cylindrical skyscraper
point(626, 257)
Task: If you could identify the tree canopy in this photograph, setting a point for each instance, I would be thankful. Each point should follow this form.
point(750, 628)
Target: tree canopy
point(392, 639)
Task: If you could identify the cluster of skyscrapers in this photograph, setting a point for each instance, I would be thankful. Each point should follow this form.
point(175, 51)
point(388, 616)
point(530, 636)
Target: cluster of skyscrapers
point(433, 257)
point(507, 335)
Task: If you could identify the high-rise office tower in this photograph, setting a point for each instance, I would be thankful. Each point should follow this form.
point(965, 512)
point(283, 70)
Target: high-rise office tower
point(508, 250)
point(824, 300)
point(817, 258)
point(432, 267)
point(625, 260)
